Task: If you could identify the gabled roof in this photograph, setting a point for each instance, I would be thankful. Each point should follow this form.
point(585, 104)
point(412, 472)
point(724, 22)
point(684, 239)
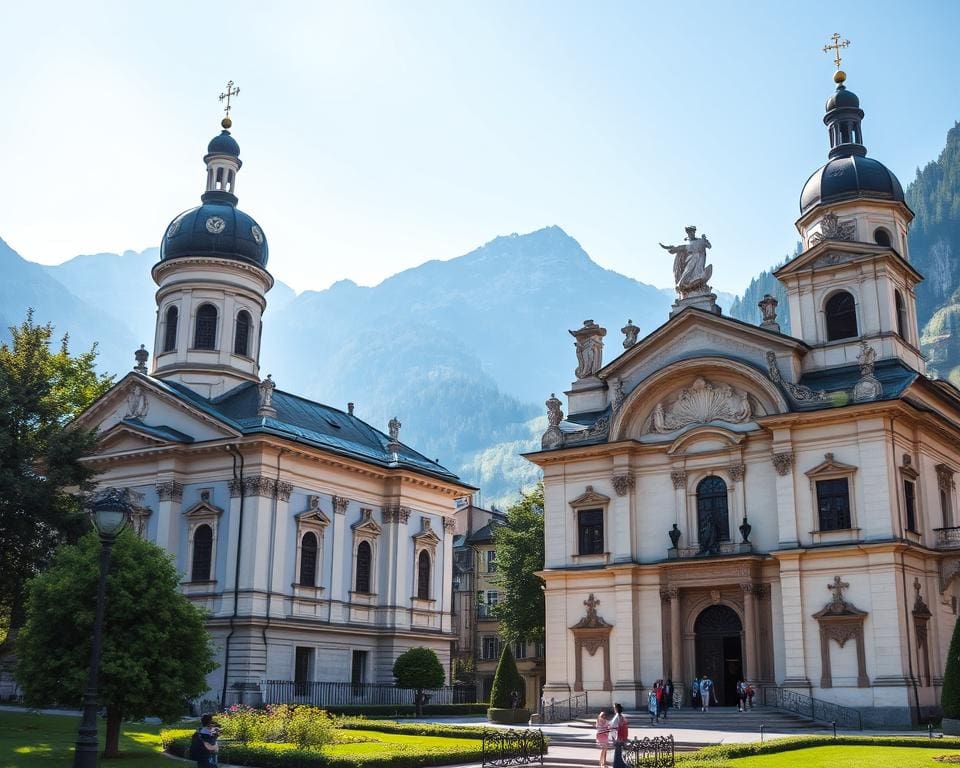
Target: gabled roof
point(845, 252)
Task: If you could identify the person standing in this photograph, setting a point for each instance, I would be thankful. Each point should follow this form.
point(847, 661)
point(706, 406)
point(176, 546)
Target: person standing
point(620, 727)
point(667, 696)
point(603, 736)
point(695, 700)
point(741, 696)
point(203, 745)
point(652, 704)
point(706, 691)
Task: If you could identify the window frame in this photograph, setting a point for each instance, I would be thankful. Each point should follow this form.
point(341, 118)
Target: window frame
point(194, 576)
point(588, 501)
point(196, 327)
point(909, 479)
point(203, 513)
point(832, 469)
point(424, 585)
point(170, 341)
point(365, 530)
point(827, 315)
point(245, 352)
point(591, 544)
point(900, 312)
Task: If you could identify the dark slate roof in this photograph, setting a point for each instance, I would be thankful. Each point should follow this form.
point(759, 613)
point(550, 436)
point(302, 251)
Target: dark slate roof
point(484, 535)
point(161, 431)
point(850, 178)
point(307, 422)
point(892, 374)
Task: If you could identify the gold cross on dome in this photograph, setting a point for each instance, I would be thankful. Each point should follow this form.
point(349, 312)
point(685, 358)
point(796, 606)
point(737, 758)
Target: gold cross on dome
point(231, 91)
point(835, 47)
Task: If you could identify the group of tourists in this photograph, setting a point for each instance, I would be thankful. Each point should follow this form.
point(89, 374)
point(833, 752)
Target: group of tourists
point(703, 691)
point(659, 700)
point(619, 727)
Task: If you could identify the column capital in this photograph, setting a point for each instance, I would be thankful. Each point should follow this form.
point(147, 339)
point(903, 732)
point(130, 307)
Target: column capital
point(622, 483)
point(783, 463)
point(679, 478)
point(170, 490)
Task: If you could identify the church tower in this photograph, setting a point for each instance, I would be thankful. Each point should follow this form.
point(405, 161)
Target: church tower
point(853, 282)
point(212, 282)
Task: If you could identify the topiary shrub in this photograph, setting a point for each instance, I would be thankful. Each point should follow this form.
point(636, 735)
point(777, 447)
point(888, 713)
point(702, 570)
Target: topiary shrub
point(507, 682)
point(508, 716)
point(418, 668)
point(950, 694)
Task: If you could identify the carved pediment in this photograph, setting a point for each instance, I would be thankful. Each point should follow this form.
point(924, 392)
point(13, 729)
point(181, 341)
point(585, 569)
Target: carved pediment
point(366, 524)
point(124, 437)
point(313, 515)
point(590, 498)
point(701, 402)
point(592, 620)
point(830, 466)
point(426, 536)
point(203, 509)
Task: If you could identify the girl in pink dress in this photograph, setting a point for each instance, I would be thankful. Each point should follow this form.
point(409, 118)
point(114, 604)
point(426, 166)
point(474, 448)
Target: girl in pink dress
point(603, 736)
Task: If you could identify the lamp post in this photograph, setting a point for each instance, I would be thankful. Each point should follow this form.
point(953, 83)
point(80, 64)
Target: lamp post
point(110, 510)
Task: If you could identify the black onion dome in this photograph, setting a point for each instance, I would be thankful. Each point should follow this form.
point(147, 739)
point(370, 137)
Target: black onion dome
point(842, 99)
point(223, 144)
point(218, 229)
point(849, 178)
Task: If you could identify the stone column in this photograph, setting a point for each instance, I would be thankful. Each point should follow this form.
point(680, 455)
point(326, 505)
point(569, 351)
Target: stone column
point(786, 499)
point(750, 632)
point(791, 595)
point(339, 596)
point(679, 479)
point(676, 642)
point(170, 494)
point(621, 547)
point(444, 598)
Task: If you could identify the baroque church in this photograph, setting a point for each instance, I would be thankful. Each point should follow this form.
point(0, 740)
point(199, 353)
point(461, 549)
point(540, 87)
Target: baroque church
point(726, 499)
point(320, 546)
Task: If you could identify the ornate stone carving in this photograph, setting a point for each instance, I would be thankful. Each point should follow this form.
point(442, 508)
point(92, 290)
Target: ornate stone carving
point(553, 437)
point(137, 405)
point(396, 514)
point(700, 403)
point(592, 620)
point(868, 387)
point(141, 356)
point(340, 504)
point(799, 392)
point(944, 477)
point(831, 228)
point(589, 345)
point(783, 463)
point(840, 620)
point(622, 484)
point(768, 311)
point(691, 273)
point(449, 524)
point(630, 333)
point(259, 485)
point(265, 397)
point(618, 395)
point(673, 591)
point(736, 472)
point(394, 428)
point(921, 617)
point(748, 588)
point(599, 428)
point(282, 490)
point(234, 486)
point(679, 478)
point(715, 596)
point(170, 490)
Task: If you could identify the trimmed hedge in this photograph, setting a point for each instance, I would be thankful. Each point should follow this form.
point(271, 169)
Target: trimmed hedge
point(412, 729)
point(719, 755)
point(508, 716)
point(407, 710)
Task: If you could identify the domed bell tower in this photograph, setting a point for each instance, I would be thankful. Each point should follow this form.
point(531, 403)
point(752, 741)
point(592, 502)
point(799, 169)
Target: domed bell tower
point(853, 282)
point(212, 282)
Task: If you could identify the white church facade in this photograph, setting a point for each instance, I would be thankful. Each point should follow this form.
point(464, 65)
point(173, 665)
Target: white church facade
point(727, 499)
point(320, 546)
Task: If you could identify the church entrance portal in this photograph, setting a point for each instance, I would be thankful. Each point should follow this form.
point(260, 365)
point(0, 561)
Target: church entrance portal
point(720, 651)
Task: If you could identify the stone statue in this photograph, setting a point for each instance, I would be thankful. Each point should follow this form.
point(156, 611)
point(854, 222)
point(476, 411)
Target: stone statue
point(709, 533)
point(866, 359)
point(394, 427)
point(690, 269)
point(141, 356)
point(265, 389)
point(137, 404)
point(554, 411)
point(630, 333)
point(589, 343)
point(768, 312)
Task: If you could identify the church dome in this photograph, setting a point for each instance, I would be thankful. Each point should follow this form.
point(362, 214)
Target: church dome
point(218, 229)
point(839, 99)
point(223, 144)
point(849, 178)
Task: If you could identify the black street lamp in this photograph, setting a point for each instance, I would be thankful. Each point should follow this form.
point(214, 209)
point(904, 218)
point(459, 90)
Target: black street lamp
point(110, 510)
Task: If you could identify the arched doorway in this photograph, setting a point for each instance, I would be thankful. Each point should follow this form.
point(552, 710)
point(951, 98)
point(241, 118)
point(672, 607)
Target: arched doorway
point(719, 650)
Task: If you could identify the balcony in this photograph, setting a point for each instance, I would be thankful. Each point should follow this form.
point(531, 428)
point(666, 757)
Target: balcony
point(947, 538)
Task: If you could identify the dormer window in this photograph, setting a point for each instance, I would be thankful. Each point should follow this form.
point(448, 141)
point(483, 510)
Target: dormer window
point(841, 316)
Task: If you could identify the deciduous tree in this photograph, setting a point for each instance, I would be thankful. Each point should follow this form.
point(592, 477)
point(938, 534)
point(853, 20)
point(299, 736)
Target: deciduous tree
point(156, 651)
point(418, 668)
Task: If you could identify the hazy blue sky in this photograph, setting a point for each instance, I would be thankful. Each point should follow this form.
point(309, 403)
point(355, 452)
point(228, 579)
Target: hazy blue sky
point(378, 135)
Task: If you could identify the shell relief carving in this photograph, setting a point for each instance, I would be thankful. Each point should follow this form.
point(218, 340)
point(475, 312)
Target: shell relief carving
point(700, 403)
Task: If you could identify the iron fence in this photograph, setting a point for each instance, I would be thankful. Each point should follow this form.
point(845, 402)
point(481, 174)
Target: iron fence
point(815, 709)
point(554, 711)
point(327, 694)
point(507, 748)
point(650, 752)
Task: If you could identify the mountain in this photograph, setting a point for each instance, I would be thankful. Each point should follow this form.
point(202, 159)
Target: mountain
point(463, 352)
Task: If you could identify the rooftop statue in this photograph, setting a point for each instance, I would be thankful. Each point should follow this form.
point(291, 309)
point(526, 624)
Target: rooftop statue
point(690, 269)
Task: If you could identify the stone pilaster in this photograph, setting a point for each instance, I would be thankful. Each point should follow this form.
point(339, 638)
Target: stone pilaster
point(750, 632)
point(170, 495)
point(342, 547)
point(786, 498)
point(794, 615)
point(676, 641)
point(621, 545)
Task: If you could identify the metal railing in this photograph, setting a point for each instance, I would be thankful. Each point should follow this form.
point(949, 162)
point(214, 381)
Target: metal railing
point(815, 709)
point(655, 752)
point(326, 694)
point(554, 711)
point(947, 538)
point(507, 748)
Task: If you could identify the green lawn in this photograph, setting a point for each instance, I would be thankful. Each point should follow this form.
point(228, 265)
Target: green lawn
point(848, 757)
point(47, 740)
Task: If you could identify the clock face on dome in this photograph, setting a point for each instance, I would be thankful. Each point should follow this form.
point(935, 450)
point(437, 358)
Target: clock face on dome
point(215, 225)
point(257, 234)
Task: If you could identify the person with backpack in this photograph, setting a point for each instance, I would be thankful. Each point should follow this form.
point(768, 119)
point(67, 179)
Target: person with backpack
point(706, 691)
point(203, 743)
point(620, 726)
point(695, 693)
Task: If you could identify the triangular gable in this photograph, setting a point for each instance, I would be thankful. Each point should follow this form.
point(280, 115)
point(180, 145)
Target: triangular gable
point(426, 534)
point(203, 509)
point(590, 498)
point(830, 466)
point(153, 412)
point(123, 437)
point(366, 523)
point(829, 253)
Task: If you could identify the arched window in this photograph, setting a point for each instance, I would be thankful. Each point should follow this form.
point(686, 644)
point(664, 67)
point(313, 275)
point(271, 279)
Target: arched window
point(202, 551)
point(170, 329)
point(713, 520)
point(881, 237)
point(308, 560)
point(841, 314)
point(241, 338)
point(901, 314)
point(363, 566)
point(423, 575)
point(205, 336)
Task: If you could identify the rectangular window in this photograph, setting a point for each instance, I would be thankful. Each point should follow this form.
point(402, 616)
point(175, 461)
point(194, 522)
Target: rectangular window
point(833, 504)
point(358, 672)
point(302, 669)
point(520, 649)
point(491, 561)
point(590, 524)
point(490, 647)
point(910, 504)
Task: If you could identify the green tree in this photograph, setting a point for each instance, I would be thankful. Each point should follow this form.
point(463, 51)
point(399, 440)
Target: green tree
point(507, 681)
point(41, 390)
point(950, 693)
point(418, 668)
point(519, 547)
point(156, 650)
